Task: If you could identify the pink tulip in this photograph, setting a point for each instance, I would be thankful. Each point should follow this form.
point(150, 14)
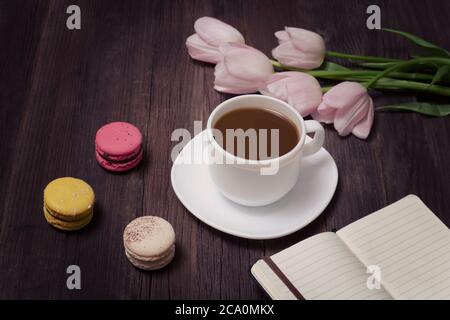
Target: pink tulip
point(243, 69)
point(299, 48)
point(299, 89)
point(210, 34)
point(349, 107)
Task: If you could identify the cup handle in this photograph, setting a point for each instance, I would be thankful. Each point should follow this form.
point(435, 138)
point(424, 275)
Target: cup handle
point(313, 126)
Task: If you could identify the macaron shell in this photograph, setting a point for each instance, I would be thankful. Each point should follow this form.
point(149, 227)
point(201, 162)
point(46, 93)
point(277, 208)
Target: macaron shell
point(162, 256)
point(67, 225)
point(119, 167)
point(67, 217)
point(116, 158)
point(69, 197)
point(148, 236)
point(118, 139)
point(151, 265)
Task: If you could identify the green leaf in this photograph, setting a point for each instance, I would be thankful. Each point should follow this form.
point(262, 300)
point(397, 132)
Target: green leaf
point(425, 108)
point(430, 48)
point(423, 68)
point(378, 65)
point(442, 74)
point(332, 66)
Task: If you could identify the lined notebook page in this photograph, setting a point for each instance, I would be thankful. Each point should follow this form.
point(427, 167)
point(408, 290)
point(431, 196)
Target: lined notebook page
point(322, 267)
point(409, 244)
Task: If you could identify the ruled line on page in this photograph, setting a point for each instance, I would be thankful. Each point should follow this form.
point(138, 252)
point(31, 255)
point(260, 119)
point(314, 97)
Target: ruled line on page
point(342, 274)
point(345, 288)
point(304, 246)
point(418, 224)
point(388, 221)
point(387, 262)
point(398, 266)
point(319, 258)
point(434, 293)
point(418, 267)
point(317, 281)
point(428, 280)
point(364, 294)
point(374, 293)
point(378, 248)
point(415, 252)
point(319, 269)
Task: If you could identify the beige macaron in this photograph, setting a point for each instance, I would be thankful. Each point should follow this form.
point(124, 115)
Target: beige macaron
point(149, 242)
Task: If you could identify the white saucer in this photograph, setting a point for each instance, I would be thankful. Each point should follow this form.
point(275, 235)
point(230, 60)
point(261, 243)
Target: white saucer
point(304, 203)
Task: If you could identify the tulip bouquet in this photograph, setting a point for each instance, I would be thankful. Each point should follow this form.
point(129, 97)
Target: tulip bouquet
point(301, 58)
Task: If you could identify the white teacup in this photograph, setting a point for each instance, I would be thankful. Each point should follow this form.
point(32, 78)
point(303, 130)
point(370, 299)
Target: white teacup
point(254, 182)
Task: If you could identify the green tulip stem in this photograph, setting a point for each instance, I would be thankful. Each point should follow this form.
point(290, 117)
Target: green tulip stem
point(431, 60)
point(357, 57)
point(389, 79)
point(325, 74)
point(369, 73)
point(387, 84)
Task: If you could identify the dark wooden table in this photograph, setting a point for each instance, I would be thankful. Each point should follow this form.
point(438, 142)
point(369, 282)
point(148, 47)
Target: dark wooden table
point(129, 62)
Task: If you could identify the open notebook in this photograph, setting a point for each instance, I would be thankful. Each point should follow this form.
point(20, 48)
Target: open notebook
point(404, 244)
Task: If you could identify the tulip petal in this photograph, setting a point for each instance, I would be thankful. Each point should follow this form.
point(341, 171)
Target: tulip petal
point(362, 129)
point(344, 95)
point(200, 50)
point(299, 48)
point(346, 119)
point(289, 55)
point(216, 32)
point(275, 86)
point(299, 33)
point(243, 69)
point(282, 36)
point(299, 89)
point(324, 113)
point(304, 94)
point(307, 41)
point(246, 62)
point(227, 82)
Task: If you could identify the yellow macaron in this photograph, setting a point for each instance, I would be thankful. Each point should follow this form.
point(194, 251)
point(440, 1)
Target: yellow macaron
point(68, 203)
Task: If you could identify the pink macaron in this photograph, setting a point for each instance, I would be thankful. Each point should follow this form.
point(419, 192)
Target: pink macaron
point(118, 146)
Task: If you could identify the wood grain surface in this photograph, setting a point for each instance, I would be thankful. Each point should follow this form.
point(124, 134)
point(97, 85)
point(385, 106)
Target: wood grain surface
point(129, 62)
